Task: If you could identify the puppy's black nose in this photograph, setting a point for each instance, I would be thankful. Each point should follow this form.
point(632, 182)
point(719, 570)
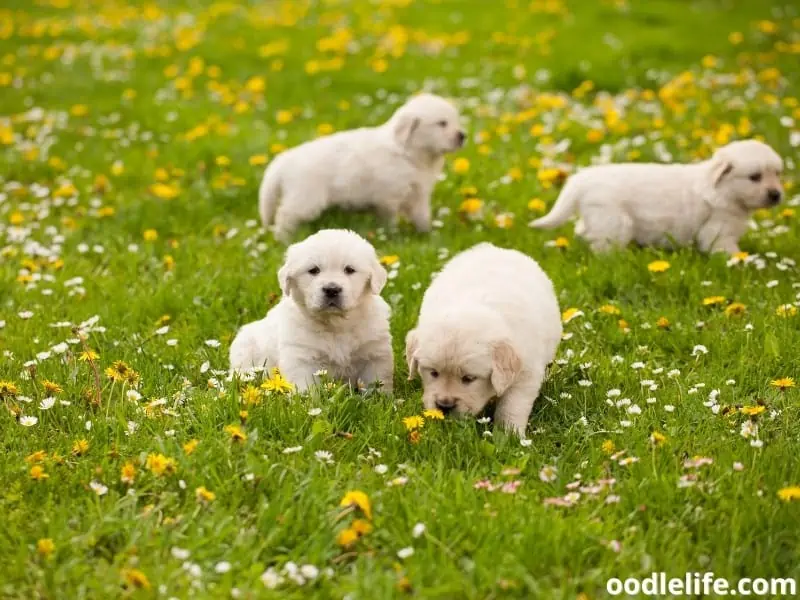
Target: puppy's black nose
point(445, 404)
point(774, 196)
point(332, 290)
point(462, 137)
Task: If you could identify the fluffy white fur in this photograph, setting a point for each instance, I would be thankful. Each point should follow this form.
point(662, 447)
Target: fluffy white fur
point(706, 203)
point(391, 168)
point(488, 327)
point(316, 327)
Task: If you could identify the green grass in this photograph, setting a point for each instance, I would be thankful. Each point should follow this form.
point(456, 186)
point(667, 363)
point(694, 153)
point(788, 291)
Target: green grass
point(271, 507)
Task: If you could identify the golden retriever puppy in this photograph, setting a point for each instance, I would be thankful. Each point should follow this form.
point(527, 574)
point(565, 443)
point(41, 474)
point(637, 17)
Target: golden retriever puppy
point(706, 203)
point(391, 168)
point(331, 316)
point(488, 327)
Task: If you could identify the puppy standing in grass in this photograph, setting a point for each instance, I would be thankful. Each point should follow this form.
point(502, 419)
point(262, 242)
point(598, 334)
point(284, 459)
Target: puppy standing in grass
point(392, 168)
point(488, 327)
point(707, 203)
point(331, 316)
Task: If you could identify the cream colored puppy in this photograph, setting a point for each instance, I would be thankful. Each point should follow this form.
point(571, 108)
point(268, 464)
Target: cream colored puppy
point(707, 203)
point(488, 327)
point(331, 316)
point(392, 168)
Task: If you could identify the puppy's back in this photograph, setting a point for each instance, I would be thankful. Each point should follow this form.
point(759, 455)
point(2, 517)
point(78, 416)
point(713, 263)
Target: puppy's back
point(488, 274)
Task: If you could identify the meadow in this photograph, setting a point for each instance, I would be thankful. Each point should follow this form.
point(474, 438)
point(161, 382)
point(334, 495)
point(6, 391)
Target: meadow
point(132, 141)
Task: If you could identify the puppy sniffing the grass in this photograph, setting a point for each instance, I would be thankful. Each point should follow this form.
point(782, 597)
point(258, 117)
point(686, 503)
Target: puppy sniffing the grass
point(707, 203)
point(488, 327)
point(391, 168)
point(331, 316)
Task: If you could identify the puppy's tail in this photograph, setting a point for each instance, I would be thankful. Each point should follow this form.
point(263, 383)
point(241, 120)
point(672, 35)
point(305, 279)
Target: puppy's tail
point(269, 193)
point(565, 206)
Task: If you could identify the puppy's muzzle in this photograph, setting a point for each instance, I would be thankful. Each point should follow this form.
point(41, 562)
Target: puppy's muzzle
point(774, 197)
point(333, 295)
point(446, 405)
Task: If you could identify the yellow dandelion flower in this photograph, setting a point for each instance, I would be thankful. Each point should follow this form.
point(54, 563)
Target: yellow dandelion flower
point(150, 235)
point(204, 495)
point(663, 323)
point(570, 314)
point(251, 395)
point(255, 85)
point(276, 383)
point(361, 527)
point(358, 499)
point(257, 160)
point(752, 411)
point(414, 436)
point(786, 310)
point(37, 473)
point(389, 260)
point(608, 447)
point(165, 191)
point(609, 309)
point(190, 446)
point(784, 383)
point(284, 117)
point(128, 473)
point(433, 413)
point(45, 547)
point(657, 438)
point(80, 447)
point(236, 433)
point(537, 205)
point(790, 493)
point(471, 206)
point(136, 579)
point(713, 300)
point(414, 422)
point(36, 457)
point(8, 389)
point(88, 356)
point(735, 309)
point(346, 538)
point(160, 465)
point(461, 166)
point(561, 242)
point(658, 266)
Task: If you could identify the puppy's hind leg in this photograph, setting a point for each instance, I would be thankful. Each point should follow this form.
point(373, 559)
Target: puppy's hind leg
point(419, 211)
point(379, 370)
point(604, 229)
point(298, 207)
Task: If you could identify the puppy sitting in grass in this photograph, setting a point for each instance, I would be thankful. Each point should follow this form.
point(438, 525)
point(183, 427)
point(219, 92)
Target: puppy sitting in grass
point(707, 203)
point(392, 168)
point(488, 327)
point(331, 316)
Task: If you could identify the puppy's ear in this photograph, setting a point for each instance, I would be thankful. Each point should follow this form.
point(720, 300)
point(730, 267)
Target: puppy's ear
point(404, 128)
point(411, 354)
point(377, 277)
point(719, 169)
point(285, 280)
point(506, 365)
point(285, 274)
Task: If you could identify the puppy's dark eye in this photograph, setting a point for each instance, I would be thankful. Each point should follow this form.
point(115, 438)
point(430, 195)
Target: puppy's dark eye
point(349, 270)
point(755, 177)
point(467, 379)
point(442, 123)
point(313, 271)
point(434, 373)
